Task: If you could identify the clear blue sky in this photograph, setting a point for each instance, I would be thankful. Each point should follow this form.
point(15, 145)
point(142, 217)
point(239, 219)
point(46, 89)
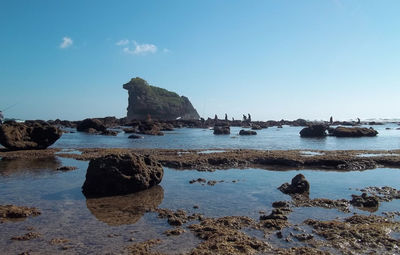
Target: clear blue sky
point(274, 59)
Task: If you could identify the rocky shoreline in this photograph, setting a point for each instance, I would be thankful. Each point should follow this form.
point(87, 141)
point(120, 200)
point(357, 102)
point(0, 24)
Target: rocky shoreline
point(341, 160)
point(234, 234)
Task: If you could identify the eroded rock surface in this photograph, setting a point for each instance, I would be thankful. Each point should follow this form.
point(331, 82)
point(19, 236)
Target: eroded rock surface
point(354, 132)
point(158, 103)
point(118, 174)
point(299, 185)
point(14, 213)
point(29, 135)
point(317, 130)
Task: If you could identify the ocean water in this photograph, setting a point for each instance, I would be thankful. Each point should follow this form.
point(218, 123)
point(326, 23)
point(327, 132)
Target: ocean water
point(108, 225)
point(273, 138)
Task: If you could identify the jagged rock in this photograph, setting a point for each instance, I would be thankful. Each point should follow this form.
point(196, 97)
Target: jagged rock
point(121, 174)
point(365, 201)
point(247, 132)
point(299, 185)
point(222, 130)
point(158, 103)
point(30, 135)
point(353, 132)
point(318, 130)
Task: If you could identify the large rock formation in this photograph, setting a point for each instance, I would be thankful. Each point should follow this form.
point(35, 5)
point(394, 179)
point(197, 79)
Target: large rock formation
point(29, 135)
point(158, 103)
point(121, 174)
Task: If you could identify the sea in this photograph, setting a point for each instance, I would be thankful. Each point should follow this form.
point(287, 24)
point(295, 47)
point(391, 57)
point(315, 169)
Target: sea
point(109, 225)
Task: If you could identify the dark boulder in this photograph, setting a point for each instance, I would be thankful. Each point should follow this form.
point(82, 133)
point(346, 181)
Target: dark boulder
point(317, 130)
point(247, 132)
point(299, 185)
point(29, 135)
point(353, 132)
point(91, 126)
point(222, 130)
point(121, 174)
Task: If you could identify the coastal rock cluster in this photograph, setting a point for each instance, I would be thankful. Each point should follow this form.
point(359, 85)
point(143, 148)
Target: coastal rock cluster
point(118, 174)
point(29, 135)
point(157, 103)
point(319, 130)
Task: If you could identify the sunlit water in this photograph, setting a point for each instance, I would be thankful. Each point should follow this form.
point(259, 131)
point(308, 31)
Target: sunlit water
point(272, 138)
point(66, 213)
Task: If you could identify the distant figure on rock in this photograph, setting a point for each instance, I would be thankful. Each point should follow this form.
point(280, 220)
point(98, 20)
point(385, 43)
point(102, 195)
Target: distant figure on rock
point(233, 119)
point(226, 117)
point(358, 121)
point(331, 120)
point(202, 120)
point(249, 118)
point(1, 117)
point(244, 118)
point(215, 117)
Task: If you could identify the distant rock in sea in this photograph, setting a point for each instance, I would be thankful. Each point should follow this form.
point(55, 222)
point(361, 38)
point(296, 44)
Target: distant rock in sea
point(158, 103)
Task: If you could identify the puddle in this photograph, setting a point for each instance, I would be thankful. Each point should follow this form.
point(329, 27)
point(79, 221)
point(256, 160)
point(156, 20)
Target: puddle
point(311, 153)
point(69, 151)
point(210, 151)
point(378, 155)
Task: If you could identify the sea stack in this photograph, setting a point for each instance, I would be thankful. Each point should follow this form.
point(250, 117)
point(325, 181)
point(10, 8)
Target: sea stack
point(146, 101)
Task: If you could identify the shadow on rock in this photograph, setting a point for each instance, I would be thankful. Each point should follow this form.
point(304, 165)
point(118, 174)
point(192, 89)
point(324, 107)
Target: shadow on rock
point(126, 209)
point(9, 167)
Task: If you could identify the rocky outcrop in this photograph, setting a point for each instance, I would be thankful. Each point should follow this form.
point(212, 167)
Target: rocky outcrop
point(317, 130)
point(353, 132)
point(29, 135)
point(299, 185)
point(94, 126)
point(158, 103)
point(121, 174)
point(222, 130)
point(247, 132)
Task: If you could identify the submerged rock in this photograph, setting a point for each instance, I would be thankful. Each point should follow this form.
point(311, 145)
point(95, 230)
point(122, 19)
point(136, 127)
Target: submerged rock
point(247, 132)
point(353, 132)
point(158, 103)
point(121, 174)
point(318, 130)
point(299, 185)
point(13, 212)
point(29, 135)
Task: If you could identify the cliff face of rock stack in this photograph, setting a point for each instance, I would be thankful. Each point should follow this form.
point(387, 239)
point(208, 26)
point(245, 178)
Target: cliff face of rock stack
point(158, 103)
